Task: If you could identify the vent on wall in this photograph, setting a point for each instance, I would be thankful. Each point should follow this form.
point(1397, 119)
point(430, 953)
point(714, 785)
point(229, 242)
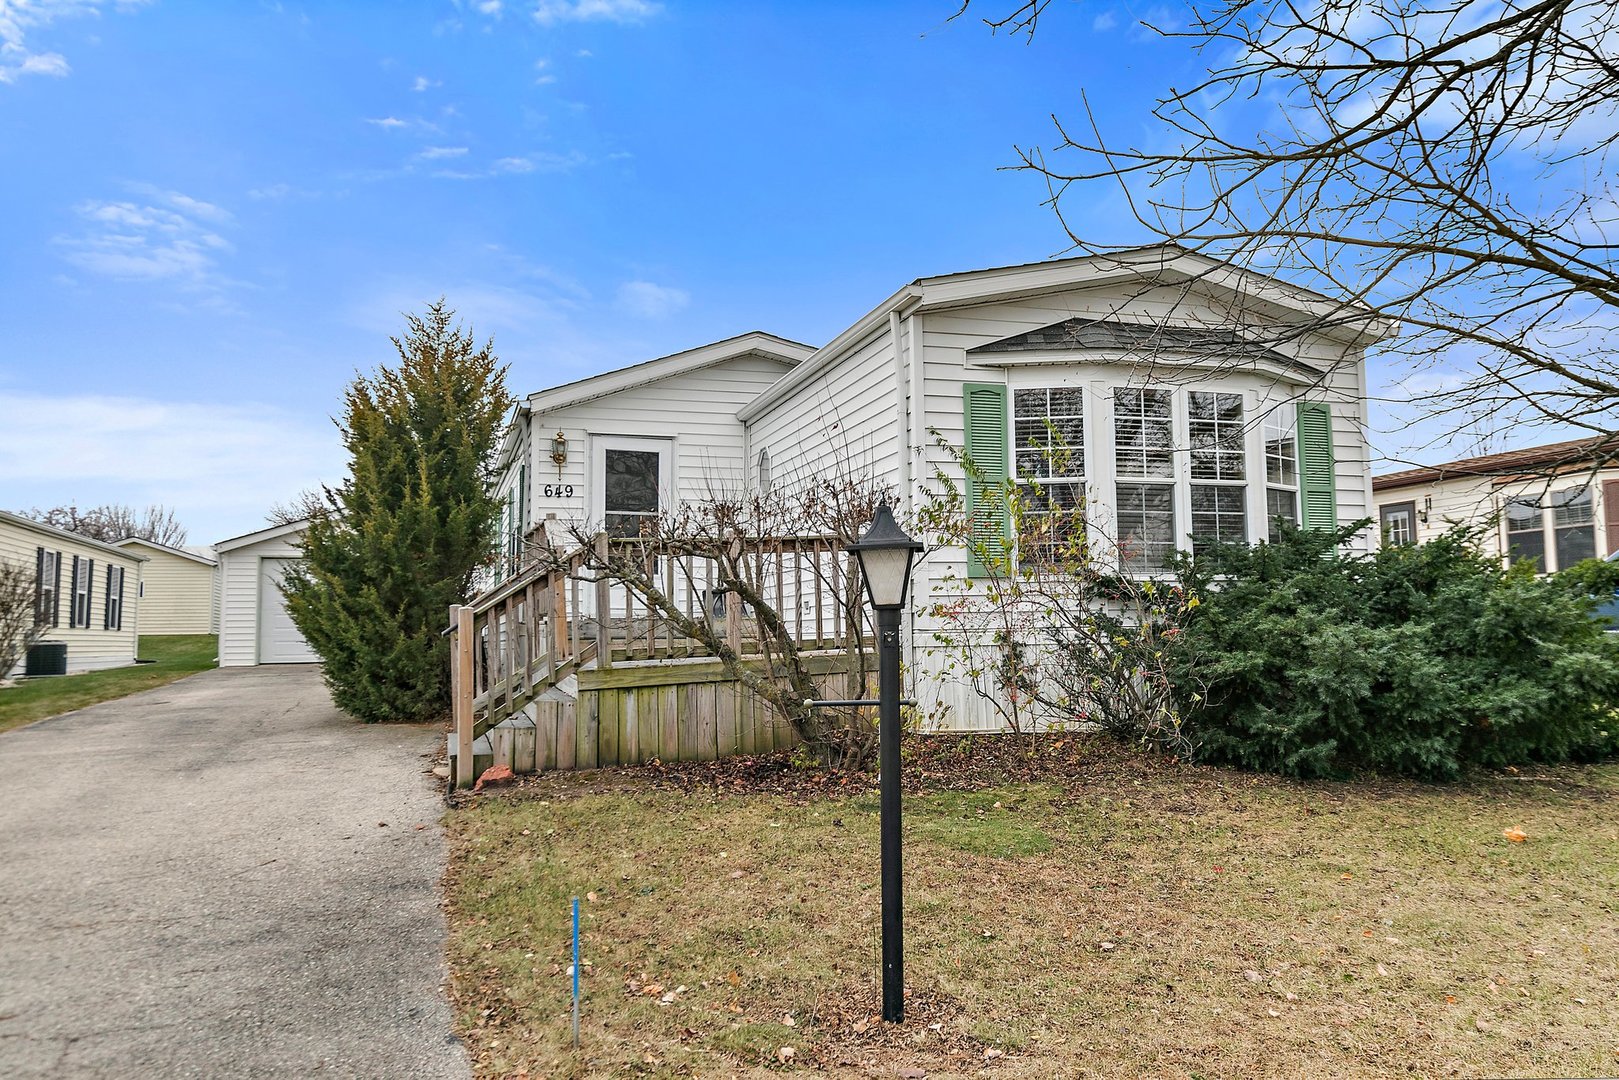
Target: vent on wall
point(764, 471)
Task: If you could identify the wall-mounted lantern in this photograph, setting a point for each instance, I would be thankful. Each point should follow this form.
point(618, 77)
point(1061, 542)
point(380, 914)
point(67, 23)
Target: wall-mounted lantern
point(559, 452)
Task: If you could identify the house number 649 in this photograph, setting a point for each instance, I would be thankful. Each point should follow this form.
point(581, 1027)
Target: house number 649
point(557, 491)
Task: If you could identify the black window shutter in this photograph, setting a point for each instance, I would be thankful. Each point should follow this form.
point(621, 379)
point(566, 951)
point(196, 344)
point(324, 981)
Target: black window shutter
point(39, 585)
point(106, 604)
point(73, 597)
point(56, 592)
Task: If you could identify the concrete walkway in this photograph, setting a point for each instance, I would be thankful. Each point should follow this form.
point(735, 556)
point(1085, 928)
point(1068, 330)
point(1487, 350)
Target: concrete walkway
point(196, 881)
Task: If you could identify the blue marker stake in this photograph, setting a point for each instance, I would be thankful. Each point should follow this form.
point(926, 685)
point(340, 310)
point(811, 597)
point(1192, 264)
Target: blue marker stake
point(576, 973)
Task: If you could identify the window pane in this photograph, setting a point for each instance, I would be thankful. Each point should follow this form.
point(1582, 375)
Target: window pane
point(1523, 515)
point(631, 481)
point(1575, 543)
point(1527, 545)
point(1142, 433)
point(1280, 503)
point(1572, 508)
point(1048, 432)
point(1281, 447)
point(1214, 424)
point(1218, 516)
point(1053, 523)
point(1146, 525)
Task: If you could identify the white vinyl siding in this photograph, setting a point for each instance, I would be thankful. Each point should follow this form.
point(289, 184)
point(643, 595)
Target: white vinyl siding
point(842, 423)
point(694, 411)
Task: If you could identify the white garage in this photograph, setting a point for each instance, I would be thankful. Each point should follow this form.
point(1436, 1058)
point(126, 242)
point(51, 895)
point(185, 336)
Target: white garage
point(254, 627)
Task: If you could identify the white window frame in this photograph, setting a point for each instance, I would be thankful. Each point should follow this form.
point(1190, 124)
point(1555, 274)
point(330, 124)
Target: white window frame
point(1287, 412)
point(1048, 477)
point(600, 444)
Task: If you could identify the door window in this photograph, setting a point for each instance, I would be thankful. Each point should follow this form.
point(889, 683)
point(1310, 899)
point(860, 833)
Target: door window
point(631, 481)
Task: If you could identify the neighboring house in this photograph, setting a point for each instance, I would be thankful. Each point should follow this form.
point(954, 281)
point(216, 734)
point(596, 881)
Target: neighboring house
point(177, 588)
point(88, 592)
point(1180, 427)
point(1555, 504)
point(254, 627)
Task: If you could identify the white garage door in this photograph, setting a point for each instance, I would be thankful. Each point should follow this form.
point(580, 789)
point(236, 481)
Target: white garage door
point(279, 640)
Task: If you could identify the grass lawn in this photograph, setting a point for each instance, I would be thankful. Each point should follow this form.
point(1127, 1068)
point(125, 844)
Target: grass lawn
point(177, 656)
point(1133, 918)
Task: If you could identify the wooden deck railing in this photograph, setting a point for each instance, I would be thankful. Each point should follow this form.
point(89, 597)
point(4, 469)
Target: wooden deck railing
point(521, 638)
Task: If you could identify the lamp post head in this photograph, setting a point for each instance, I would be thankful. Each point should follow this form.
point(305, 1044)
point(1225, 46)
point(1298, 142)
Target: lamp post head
point(886, 552)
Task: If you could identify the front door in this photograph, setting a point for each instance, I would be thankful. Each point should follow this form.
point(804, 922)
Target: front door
point(633, 481)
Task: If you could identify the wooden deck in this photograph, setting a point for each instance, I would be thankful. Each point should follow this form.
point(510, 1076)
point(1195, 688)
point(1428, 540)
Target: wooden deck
point(558, 668)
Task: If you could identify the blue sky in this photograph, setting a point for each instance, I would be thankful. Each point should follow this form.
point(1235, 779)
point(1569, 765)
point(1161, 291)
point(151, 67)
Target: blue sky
point(216, 213)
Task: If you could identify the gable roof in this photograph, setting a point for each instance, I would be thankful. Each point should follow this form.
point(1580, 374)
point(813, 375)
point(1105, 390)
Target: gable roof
point(63, 534)
point(270, 533)
point(166, 549)
point(1550, 457)
point(1161, 263)
point(752, 343)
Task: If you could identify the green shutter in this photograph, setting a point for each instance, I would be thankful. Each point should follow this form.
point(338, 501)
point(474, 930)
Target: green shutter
point(984, 421)
point(1318, 481)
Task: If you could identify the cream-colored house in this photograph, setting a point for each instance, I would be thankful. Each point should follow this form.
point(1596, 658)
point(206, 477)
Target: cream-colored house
point(88, 592)
point(254, 627)
point(177, 588)
point(1556, 504)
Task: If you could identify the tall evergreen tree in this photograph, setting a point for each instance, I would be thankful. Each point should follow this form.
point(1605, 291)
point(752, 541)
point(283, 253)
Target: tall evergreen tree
point(391, 549)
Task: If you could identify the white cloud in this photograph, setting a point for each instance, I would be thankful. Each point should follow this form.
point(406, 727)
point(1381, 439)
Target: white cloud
point(650, 301)
point(424, 83)
point(1104, 22)
point(221, 466)
point(169, 236)
point(18, 18)
point(438, 153)
point(490, 7)
point(550, 12)
point(388, 123)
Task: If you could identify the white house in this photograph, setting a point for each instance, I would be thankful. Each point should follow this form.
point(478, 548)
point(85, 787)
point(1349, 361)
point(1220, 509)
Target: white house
point(1197, 400)
point(86, 591)
point(254, 627)
point(1556, 504)
point(177, 588)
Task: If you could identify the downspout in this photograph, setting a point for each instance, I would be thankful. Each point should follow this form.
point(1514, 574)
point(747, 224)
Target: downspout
point(902, 414)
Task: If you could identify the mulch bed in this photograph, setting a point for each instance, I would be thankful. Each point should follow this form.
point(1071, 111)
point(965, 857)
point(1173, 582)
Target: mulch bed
point(929, 763)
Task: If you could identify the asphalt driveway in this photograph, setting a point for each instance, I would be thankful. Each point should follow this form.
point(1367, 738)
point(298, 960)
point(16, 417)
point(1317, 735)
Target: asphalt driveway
point(221, 877)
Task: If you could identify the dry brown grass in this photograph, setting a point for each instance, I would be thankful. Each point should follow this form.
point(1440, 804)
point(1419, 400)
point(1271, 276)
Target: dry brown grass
point(1139, 919)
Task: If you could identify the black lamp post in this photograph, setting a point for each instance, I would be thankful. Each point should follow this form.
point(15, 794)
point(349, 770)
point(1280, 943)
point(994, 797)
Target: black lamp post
point(886, 552)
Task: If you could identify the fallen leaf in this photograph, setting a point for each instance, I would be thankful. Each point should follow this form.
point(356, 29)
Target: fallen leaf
point(1515, 834)
point(786, 1054)
point(1107, 946)
point(591, 897)
point(1381, 970)
point(1253, 976)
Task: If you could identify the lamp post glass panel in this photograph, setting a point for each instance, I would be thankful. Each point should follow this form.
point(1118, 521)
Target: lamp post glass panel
point(886, 552)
